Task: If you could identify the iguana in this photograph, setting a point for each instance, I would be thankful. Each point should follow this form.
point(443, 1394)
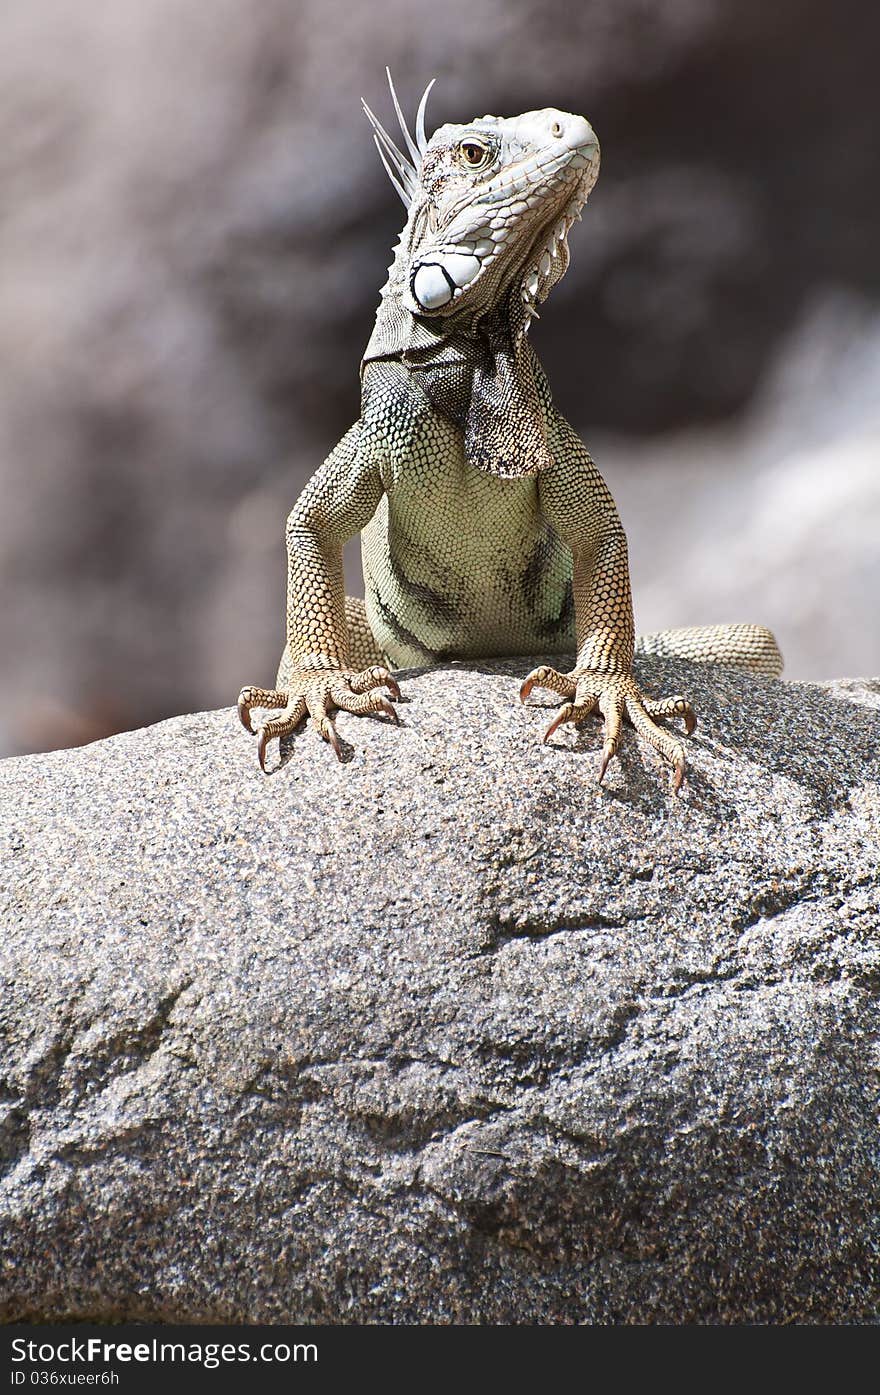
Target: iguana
point(486, 528)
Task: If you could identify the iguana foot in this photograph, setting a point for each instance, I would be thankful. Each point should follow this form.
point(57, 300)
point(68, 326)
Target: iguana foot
point(615, 696)
point(317, 692)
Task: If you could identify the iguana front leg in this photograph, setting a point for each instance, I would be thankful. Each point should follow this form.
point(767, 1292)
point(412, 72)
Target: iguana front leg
point(578, 505)
point(315, 675)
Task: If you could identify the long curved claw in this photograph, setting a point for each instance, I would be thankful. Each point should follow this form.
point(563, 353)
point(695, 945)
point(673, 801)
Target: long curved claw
point(677, 774)
point(527, 685)
point(385, 706)
point(393, 687)
point(329, 733)
point(690, 719)
point(608, 750)
point(564, 714)
point(262, 743)
point(244, 713)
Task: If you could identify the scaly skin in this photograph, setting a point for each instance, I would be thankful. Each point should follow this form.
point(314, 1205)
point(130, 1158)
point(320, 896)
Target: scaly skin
point(486, 527)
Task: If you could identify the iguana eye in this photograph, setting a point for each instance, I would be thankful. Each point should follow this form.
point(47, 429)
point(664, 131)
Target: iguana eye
point(474, 153)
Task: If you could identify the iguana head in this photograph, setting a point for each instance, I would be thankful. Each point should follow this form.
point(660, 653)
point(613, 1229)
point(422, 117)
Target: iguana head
point(490, 206)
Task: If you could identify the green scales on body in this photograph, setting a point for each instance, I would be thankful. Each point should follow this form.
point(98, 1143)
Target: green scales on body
point(486, 528)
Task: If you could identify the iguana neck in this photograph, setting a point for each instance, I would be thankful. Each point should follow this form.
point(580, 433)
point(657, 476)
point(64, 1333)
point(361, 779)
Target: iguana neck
point(477, 370)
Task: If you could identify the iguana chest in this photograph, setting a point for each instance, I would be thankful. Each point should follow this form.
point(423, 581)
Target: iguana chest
point(457, 563)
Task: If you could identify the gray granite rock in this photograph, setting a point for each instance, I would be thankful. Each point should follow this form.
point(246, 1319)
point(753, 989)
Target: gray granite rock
point(444, 1033)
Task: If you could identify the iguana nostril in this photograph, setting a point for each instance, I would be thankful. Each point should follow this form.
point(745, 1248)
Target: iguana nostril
point(556, 129)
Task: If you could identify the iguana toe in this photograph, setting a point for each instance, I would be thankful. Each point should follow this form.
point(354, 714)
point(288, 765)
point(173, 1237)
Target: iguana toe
point(673, 707)
point(294, 709)
point(569, 712)
point(327, 731)
point(546, 677)
point(375, 677)
point(258, 697)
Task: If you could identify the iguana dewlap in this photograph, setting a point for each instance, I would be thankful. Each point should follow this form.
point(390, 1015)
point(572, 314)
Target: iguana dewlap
point(486, 528)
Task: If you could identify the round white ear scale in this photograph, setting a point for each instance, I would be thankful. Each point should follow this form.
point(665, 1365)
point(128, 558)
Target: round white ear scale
point(460, 267)
point(430, 287)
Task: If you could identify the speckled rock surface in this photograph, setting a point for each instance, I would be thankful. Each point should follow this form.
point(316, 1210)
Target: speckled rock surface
point(443, 1033)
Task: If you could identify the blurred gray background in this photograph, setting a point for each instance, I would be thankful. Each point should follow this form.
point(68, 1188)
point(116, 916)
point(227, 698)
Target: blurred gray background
point(193, 230)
